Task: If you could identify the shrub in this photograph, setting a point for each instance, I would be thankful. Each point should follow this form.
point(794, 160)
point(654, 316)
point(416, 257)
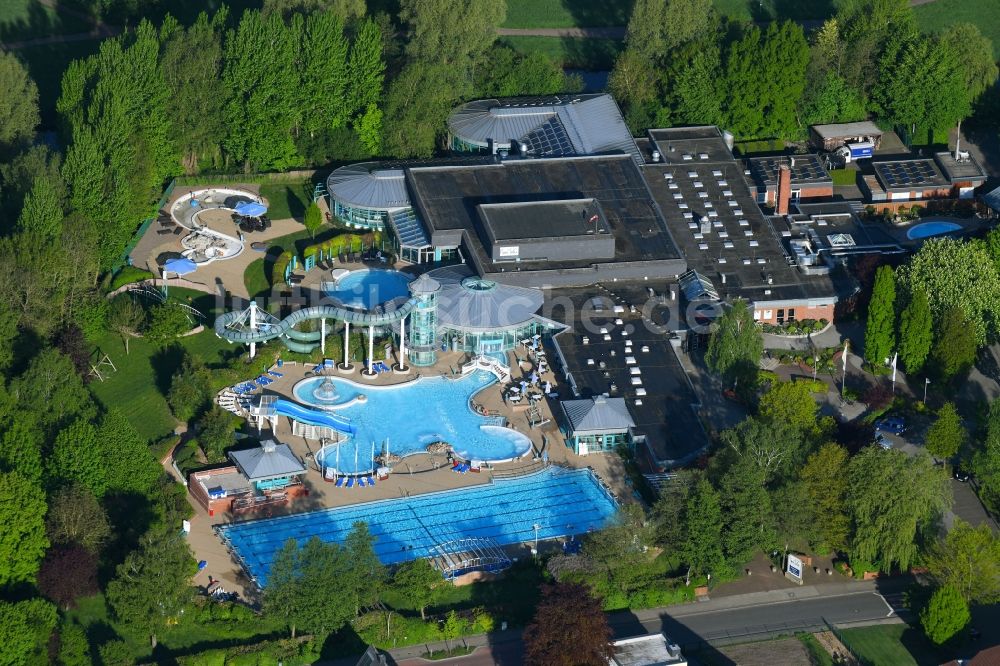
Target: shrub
point(128, 275)
point(278, 270)
point(216, 432)
point(166, 322)
point(878, 396)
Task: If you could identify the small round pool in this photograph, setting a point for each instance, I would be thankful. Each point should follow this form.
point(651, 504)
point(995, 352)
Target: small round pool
point(369, 287)
point(932, 228)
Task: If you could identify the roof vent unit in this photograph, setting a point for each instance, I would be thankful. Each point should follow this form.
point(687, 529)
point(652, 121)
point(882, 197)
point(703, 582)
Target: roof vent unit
point(770, 279)
point(656, 156)
point(687, 157)
point(702, 156)
point(269, 445)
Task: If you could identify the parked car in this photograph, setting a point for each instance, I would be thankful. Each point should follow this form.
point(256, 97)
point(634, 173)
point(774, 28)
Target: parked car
point(893, 424)
point(962, 475)
point(882, 441)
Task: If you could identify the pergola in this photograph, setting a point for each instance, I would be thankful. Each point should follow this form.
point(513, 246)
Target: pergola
point(454, 558)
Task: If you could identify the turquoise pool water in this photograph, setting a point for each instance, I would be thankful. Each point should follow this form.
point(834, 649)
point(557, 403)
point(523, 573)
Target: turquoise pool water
point(370, 287)
point(932, 228)
point(561, 502)
point(410, 416)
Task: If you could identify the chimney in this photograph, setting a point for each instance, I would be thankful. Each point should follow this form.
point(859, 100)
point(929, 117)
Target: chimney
point(784, 189)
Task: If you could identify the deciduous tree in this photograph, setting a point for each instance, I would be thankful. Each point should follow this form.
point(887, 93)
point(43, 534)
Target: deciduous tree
point(126, 318)
point(450, 32)
point(747, 514)
point(42, 213)
point(954, 349)
point(25, 630)
point(945, 615)
point(824, 480)
point(569, 629)
point(417, 582)
point(986, 461)
point(22, 529)
point(772, 446)
point(703, 546)
point(968, 559)
point(736, 345)
point(947, 434)
point(75, 516)
point(974, 52)
point(66, 574)
point(19, 103)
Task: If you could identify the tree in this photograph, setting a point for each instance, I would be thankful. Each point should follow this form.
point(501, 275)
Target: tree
point(190, 391)
point(954, 273)
point(342, 9)
point(417, 104)
point(75, 516)
point(42, 213)
point(891, 497)
point(25, 630)
point(667, 516)
point(504, 72)
point(324, 85)
point(66, 574)
point(945, 615)
point(22, 529)
point(367, 69)
point(21, 448)
point(417, 582)
point(633, 82)
point(52, 390)
point(832, 100)
point(366, 575)
point(736, 345)
point(130, 467)
point(975, 53)
point(298, 587)
point(703, 546)
point(216, 433)
point(369, 129)
point(772, 446)
point(166, 321)
point(450, 32)
point(657, 26)
point(694, 90)
point(747, 512)
point(619, 552)
point(77, 457)
point(152, 585)
point(74, 649)
point(866, 27)
point(824, 481)
point(968, 560)
point(126, 318)
point(947, 434)
point(955, 346)
point(986, 461)
point(115, 653)
point(313, 219)
point(569, 629)
point(915, 332)
point(19, 104)
point(791, 404)
point(880, 331)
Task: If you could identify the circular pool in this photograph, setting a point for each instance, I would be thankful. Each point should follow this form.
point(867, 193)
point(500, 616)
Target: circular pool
point(365, 289)
point(932, 228)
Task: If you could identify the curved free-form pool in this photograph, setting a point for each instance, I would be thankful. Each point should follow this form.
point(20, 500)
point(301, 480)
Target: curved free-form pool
point(369, 287)
point(932, 228)
point(411, 416)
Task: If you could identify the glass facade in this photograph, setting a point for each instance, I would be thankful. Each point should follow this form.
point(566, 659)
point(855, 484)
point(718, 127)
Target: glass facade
point(423, 330)
point(460, 145)
point(365, 218)
point(489, 342)
point(602, 442)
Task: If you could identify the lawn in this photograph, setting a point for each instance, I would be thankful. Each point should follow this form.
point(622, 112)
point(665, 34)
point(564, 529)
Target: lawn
point(844, 176)
point(886, 645)
point(143, 376)
point(566, 13)
point(940, 14)
point(287, 200)
point(594, 55)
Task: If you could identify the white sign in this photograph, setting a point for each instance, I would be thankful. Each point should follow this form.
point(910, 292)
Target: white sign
point(186, 526)
point(510, 251)
point(794, 567)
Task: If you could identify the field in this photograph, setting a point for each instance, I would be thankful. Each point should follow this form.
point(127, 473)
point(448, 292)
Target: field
point(566, 13)
point(287, 199)
point(941, 13)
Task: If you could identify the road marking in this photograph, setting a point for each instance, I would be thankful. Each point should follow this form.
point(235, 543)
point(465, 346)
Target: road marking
point(815, 597)
point(892, 611)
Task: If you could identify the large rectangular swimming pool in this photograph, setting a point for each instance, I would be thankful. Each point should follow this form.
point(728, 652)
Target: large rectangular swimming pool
point(561, 502)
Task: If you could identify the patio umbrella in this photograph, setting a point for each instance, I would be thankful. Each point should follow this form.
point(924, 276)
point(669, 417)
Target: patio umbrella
point(250, 208)
point(180, 265)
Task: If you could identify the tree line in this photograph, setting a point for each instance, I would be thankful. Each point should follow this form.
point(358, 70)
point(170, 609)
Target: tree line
point(685, 64)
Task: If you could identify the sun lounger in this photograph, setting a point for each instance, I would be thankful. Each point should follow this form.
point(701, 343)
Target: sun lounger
point(275, 373)
point(361, 481)
point(371, 480)
point(340, 481)
point(350, 482)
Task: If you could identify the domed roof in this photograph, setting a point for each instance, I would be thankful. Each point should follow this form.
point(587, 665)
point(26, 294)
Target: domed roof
point(471, 303)
point(365, 185)
point(424, 285)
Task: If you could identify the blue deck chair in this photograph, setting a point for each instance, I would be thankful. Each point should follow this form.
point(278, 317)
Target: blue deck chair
point(350, 482)
point(371, 480)
point(275, 373)
point(361, 481)
point(340, 482)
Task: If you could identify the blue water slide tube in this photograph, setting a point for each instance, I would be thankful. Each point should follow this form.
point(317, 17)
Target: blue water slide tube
point(313, 417)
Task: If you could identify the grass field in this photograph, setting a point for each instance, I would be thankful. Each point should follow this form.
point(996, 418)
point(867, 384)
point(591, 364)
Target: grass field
point(566, 13)
point(844, 176)
point(143, 377)
point(595, 55)
point(940, 14)
point(287, 199)
point(883, 645)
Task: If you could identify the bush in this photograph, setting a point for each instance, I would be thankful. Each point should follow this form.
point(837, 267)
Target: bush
point(190, 391)
point(166, 322)
point(878, 396)
point(128, 275)
point(92, 316)
point(280, 264)
point(216, 432)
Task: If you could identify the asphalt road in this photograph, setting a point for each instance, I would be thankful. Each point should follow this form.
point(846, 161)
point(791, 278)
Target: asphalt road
point(734, 619)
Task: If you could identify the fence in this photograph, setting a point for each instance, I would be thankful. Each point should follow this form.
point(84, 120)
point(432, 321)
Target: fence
point(143, 228)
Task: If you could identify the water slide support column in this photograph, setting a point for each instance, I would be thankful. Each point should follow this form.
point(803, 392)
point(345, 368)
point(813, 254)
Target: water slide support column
point(371, 348)
point(322, 336)
point(402, 343)
point(347, 344)
point(253, 327)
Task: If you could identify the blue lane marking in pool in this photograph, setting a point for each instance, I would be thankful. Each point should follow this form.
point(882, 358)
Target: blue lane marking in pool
point(411, 416)
point(369, 287)
point(561, 502)
point(933, 228)
point(313, 417)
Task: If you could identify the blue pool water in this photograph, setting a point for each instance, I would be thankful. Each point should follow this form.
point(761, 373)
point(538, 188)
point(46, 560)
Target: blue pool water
point(933, 228)
point(561, 502)
point(410, 416)
point(370, 287)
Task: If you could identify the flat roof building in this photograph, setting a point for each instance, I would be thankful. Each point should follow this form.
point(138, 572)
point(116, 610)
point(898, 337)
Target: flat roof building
point(651, 650)
point(831, 137)
point(809, 179)
point(920, 179)
point(547, 126)
point(597, 424)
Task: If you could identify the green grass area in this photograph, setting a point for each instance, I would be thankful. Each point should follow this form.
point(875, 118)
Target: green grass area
point(257, 275)
point(844, 176)
point(287, 200)
point(143, 377)
point(883, 645)
point(595, 55)
point(817, 653)
point(566, 13)
point(940, 14)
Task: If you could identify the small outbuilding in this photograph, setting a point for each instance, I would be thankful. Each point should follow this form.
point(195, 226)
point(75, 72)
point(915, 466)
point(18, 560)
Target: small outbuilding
point(831, 137)
point(269, 466)
point(597, 424)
